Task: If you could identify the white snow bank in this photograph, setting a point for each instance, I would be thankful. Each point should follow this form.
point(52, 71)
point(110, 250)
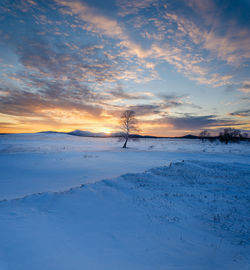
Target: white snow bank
point(192, 215)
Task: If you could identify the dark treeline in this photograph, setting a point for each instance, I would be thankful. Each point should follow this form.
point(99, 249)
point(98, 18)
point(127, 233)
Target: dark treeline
point(228, 135)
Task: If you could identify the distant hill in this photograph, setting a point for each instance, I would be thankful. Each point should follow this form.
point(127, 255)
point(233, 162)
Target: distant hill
point(85, 133)
point(189, 136)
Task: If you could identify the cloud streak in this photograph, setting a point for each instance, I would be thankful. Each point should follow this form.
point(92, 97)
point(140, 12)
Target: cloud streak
point(241, 113)
point(194, 123)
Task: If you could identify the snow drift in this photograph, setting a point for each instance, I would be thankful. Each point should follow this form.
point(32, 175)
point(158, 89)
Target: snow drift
point(189, 215)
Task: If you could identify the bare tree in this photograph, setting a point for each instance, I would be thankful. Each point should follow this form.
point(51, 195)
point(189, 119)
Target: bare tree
point(230, 135)
point(128, 124)
point(204, 135)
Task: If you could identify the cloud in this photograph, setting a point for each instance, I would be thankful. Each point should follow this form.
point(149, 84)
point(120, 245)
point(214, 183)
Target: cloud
point(189, 64)
point(233, 47)
point(184, 48)
point(176, 101)
point(82, 64)
point(241, 113)
point(97, 22)
point(145, 109)
point(160, 105)
point(120, 94)
point(190, 122)
point(194, 47)
point(203, 8)
point(227, 38)
point(193, 122)
point(230, 88)
point(24, 103)
point(245, 99)
point(103, 25)
point(128, 7)
point(175, 37)
point(245, 87)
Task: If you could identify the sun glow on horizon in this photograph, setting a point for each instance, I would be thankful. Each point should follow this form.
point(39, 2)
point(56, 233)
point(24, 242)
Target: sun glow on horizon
point(106, 130)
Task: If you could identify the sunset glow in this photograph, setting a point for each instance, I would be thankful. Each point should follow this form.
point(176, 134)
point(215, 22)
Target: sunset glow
point(106, 130)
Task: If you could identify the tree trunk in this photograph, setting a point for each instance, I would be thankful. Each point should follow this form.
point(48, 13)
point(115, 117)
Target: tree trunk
point(125, 144)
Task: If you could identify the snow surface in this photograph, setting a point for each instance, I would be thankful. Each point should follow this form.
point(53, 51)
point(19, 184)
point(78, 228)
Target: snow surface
point(189, 209)
point(32, 163)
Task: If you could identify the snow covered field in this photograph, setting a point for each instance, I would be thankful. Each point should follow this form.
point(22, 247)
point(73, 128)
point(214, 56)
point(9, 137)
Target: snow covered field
point(84, 203)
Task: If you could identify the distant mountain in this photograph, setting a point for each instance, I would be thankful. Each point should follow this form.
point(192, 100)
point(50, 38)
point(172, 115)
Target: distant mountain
point(85, 133)
point(189, 136)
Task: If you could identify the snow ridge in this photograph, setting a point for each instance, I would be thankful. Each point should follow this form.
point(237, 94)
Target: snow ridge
point(189, 215)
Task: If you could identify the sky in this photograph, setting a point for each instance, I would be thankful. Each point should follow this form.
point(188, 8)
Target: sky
point(181, 65)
